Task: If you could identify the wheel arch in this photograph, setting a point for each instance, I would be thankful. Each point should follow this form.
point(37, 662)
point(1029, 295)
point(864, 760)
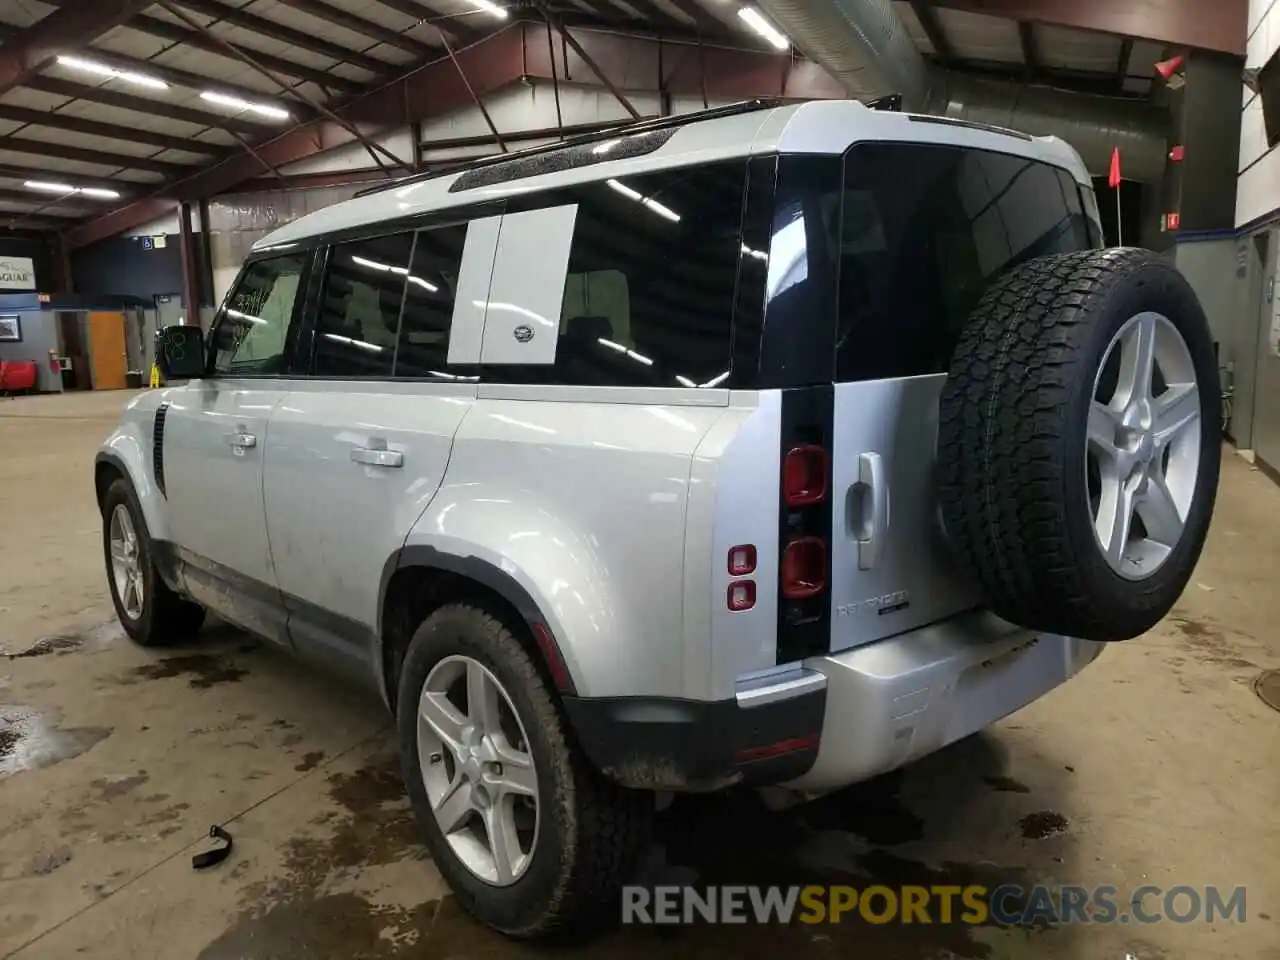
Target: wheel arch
point(122, 459)
point(418, 579)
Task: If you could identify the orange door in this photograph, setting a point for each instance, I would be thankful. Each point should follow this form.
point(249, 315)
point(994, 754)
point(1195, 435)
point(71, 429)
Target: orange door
point(107, 353)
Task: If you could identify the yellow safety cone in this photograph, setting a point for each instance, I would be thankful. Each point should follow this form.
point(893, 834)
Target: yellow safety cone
point(155, 377)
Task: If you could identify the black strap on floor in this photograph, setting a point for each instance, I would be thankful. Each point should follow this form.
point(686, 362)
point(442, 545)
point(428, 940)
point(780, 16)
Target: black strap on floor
point(217, 854)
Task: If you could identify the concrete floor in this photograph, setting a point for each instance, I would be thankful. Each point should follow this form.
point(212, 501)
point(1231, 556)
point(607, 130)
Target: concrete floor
point(1158, 765)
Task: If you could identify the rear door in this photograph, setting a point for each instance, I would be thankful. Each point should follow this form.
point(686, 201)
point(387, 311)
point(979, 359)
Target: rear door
point(923, 230)
point(359, 446)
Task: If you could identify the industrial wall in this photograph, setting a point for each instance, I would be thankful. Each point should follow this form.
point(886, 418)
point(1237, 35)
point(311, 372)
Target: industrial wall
point(1258, 191)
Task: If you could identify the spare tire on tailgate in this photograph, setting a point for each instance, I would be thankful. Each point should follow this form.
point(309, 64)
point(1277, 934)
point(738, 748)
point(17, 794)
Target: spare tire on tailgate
point(1079, 442)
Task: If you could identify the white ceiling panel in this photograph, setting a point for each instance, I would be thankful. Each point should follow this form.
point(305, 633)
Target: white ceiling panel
point(316, 27)
point(129, 118)
point(13, 159)
point(8, 126)
point(1078, 49)
point(974, 36)
point(32, 99)
point(183, 158)
point(160, 13)
point(23, 13)
point(216, 137)
point(85, 141)
point(131, 43)
point(378, 13)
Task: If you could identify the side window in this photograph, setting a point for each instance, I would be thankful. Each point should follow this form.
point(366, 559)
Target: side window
point(251, 333)
point(422, 349)
point(924, 231)
point(649, 294)
point(359, 310)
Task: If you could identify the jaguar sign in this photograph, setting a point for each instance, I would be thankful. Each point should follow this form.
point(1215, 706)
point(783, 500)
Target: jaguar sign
point(17, 273)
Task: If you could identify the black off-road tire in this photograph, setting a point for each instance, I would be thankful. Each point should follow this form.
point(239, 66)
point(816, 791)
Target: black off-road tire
point(1012, 448)
point(167, 617)
point(592, 834)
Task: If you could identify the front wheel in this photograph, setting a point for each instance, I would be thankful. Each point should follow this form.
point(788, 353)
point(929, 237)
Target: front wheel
point(151, 614)
point(531, 840)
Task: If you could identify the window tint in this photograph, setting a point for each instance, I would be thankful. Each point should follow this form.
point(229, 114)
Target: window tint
point(359, 308)
point(251, 333)
point(423, 347)
point(649, 296)
point(923, 232)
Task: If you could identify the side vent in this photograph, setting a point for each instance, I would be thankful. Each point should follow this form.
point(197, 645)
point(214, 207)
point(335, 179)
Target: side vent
point(157, 446)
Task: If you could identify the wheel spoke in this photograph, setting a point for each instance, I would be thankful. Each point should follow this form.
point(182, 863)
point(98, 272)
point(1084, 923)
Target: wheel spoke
point(132, 602)
point(1159, 512)
point(443, 718)
point(504, 842)
point(1102, 428)
point(518, 775)
point(482, 700)
point(1137, 360)
point(119, 554)
point(1176, 411)
point(454, 805)
point(1115, 515)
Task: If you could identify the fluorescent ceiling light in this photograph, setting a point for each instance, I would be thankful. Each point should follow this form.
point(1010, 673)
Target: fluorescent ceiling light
point(491, 8)
point(100, 192)
point(262, 109)
point(661, 210)
point(102, 70)
point(626, 191)
point(756, 21)
point(49, 187)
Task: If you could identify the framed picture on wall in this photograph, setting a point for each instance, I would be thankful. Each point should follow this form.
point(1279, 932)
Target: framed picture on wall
point(10, 328)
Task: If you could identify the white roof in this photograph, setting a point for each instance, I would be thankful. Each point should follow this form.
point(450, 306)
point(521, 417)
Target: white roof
point(819, 126)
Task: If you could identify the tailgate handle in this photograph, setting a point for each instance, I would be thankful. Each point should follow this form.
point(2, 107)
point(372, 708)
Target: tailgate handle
point(872, 494)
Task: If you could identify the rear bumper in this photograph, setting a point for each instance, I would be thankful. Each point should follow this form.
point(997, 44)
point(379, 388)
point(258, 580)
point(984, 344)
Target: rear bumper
point(891, 702)
point(834, 720)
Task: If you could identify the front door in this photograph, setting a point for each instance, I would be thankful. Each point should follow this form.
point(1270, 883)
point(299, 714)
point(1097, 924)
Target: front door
point(358, 450)
point(107, 351)
point(215, 435)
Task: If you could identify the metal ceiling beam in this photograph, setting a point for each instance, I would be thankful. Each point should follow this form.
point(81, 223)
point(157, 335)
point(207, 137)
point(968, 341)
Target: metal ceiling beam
point(110, 97)
point(278, 31)
point(581, 51)
point(374, 31)
point(63, 30)
point(111, 131)
point(515, 53)
point(928, 18)
point(1221, 25)
point(39, 148)
point(175, 33)
point(703, 19)
point(458, 32)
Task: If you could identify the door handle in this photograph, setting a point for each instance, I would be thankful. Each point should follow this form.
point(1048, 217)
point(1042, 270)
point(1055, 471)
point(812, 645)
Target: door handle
point(377, 456)
point(241, 440)
point(871, 492)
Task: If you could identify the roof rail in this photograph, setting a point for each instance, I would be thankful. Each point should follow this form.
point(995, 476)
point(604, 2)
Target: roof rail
point(609, 133)
point(891, 102)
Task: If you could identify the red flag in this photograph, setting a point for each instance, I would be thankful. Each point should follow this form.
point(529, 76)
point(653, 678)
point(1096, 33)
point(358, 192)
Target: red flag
point(1113, 180)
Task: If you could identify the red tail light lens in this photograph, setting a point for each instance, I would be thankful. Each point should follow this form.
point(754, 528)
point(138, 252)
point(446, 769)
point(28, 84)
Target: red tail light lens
point(742, 560)
point(804, 476)
point(804, 568)
point(741, 596)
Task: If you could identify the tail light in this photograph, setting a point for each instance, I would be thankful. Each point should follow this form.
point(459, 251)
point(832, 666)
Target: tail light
point(804, 568)
point(804, 476)
point(741, 596)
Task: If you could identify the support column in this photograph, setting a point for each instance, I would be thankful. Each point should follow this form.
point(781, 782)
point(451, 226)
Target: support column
point(190, 265)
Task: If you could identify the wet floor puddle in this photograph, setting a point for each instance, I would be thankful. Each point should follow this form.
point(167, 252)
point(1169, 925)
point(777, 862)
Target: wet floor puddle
point(31, 739)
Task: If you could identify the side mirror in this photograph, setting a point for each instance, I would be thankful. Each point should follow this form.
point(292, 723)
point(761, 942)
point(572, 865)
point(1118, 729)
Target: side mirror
point(181, 352)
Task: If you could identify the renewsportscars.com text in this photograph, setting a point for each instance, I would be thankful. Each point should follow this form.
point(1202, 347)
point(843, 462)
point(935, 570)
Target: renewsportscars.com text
point(1009, 905)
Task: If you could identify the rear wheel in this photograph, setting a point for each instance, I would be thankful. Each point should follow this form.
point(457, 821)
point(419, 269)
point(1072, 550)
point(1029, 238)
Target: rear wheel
point(151, 614)
point(1078, 448)
point(530, 838)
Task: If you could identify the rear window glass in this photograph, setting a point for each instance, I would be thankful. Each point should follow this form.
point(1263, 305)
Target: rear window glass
point(923, 231)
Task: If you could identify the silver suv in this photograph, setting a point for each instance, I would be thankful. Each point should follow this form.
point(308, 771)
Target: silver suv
point(776, 445)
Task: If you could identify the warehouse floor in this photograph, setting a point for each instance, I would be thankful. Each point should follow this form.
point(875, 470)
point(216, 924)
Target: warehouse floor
point(1158, 765)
